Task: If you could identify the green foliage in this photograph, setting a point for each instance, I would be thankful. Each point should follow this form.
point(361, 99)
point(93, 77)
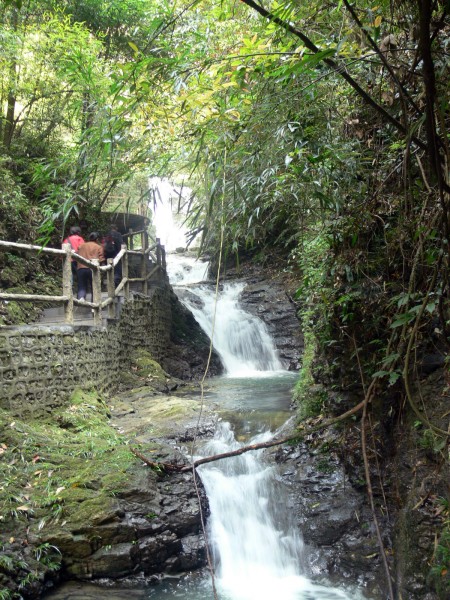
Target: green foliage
point(78, 432)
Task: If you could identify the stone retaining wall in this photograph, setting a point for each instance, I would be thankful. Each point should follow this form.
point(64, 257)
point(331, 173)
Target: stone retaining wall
point(41, 365)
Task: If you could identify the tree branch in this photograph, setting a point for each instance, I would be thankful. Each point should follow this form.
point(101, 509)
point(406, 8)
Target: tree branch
point(270, 444)
point(384, 59)
point(339, 69)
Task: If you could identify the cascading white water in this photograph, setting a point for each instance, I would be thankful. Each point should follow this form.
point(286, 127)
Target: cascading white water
point(254, 557)
point(241, 339)
point(257, 553)
point(184, 270)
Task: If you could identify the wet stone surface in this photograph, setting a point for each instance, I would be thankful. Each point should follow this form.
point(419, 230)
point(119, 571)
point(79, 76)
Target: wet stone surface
point(332, 516)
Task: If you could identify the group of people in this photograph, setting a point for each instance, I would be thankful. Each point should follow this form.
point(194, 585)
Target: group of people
point(97, 247)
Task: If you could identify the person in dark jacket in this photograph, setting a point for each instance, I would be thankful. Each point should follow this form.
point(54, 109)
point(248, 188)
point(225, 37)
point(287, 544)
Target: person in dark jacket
point(112, 245)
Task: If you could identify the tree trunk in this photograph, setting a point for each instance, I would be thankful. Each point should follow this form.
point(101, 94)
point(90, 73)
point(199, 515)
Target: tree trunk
point(9, 125)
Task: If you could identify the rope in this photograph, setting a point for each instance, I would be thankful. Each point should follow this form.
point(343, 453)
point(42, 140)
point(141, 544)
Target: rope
point(202, 390)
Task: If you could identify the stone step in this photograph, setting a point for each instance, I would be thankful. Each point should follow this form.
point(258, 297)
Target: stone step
point(58, 311)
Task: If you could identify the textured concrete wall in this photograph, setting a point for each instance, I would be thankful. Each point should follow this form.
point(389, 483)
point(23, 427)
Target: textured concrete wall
point(146, 322)
point(41, 365)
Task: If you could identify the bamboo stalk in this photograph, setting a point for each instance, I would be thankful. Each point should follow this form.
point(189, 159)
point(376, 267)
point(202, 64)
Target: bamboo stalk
point(111, 290)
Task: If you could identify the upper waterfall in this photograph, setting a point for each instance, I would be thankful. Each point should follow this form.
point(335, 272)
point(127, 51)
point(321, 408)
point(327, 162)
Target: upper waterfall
point(241, 339)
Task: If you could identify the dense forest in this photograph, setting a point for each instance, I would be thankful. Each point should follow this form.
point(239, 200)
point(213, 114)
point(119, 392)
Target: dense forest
point(314, 132)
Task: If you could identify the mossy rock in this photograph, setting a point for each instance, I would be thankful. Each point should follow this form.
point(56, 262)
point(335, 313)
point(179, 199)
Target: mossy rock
point(145, 370)
point(159, 416)
point(86, 409)
point(14, 274)
point(96, 511)
point(147, 366)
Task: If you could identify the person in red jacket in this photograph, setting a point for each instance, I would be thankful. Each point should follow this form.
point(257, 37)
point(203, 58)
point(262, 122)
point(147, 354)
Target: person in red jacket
point(75, 240)
point(89, 250)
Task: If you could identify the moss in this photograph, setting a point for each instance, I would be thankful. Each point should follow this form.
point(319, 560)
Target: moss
point(308, 396)
point(96, 510)
point(129, 379)
point(147, 366)
point(67, 471)
point(49, 466)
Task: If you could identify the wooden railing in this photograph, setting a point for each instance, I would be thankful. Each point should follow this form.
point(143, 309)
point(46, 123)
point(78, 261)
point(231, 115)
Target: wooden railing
point(156, 253)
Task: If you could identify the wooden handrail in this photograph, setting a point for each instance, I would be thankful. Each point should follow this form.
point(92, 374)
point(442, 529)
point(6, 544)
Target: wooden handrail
point(33, 297)
point(67, 298)
point(31, 248)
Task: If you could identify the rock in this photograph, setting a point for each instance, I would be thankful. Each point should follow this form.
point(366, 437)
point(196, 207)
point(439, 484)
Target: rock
point(332, 516)
point(187, 355)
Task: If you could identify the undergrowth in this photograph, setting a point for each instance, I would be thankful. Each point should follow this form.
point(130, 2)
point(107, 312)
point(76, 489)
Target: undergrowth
point(48, 469)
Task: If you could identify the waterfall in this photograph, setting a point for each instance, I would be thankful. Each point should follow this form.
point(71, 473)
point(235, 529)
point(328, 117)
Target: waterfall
point(255, 557)
point(257, 552)
point(241, 339)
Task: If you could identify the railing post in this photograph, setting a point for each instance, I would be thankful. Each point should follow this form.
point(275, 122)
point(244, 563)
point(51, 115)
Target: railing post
point(163, 258)
point(144, 261)
point(68, 283)
point(145, 240)
point(97, 292)
point(111, 289)
point(126, 289)
point(158, 251)
point(130, 231)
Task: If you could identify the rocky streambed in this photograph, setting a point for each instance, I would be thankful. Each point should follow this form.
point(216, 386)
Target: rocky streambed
point(91, 508)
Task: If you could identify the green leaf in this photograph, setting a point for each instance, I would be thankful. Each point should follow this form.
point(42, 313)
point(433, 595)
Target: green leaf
point(133, 47)
point(380, 374)
point(394, 376)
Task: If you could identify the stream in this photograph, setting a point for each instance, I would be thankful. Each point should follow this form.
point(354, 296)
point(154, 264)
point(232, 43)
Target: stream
point(256, 550)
